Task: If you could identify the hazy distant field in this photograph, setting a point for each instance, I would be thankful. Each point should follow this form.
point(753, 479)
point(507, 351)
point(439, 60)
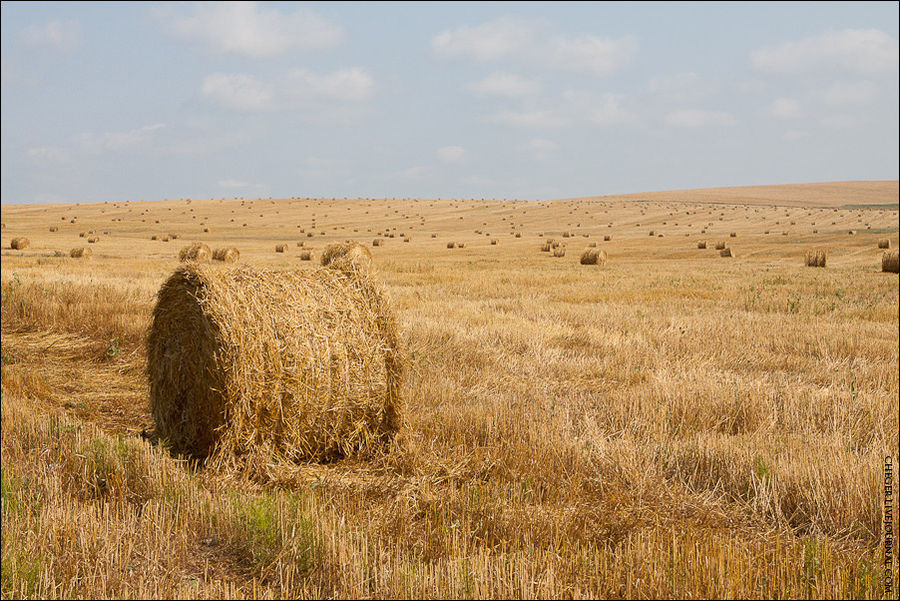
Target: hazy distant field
point(670, 424)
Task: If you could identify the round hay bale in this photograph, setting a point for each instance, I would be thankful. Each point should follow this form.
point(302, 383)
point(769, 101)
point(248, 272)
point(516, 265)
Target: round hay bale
point(19, 243)
point(733, 234)
point(559, 251)
point(493, 242)
point(607, 238)
point(195, 252)
point(593, 256)
point(306, 255)
point(461, 245)
point(154, 237)
point(272, 365)
point(80, 252)
point(82, 235)
point(451, 245)
point(720, 246)
point(53, 228)
point(890, 261)
point(351, 255)
point(727, 252)
point(93, 239)
point(852, 232)
point(816, 258)
point(376, 242)
point(226, 254)
point(280, 248)
point(886, 243)
point(701, 244)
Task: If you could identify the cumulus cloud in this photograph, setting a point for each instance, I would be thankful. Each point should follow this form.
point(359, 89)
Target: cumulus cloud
point(349, 85)
point(246, 29)
point(505, 85)
point(59, 35)
point(856, 93)
point(591, 54)
point(237, 91)
point(699, 118)
point(785, 107)
point(451, 154)
point(865, 51)
point(488, 41)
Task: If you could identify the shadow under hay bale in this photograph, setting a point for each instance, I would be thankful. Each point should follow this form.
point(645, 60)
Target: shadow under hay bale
point(890, 261)
point(273, 365)
point(227, 255)
point(195, 252)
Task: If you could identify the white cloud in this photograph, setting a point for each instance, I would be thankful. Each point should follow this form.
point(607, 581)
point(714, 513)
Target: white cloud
point(349, 85)
point(451, 154)
point(246, 29)
point(785, 107)
point(60, 35)
point(699, 118)
point(237, 91)
point(841, 93)
point(488, 41)
point(117, 141)
point(853, 50)
point(528, 119)
point(505, 85)
point(609, 111)
point(232, 183)
point(591, 54)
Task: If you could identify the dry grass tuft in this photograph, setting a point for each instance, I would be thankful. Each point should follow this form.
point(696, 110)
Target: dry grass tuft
point(276, 365)
point(195, 252)
point(226, 254)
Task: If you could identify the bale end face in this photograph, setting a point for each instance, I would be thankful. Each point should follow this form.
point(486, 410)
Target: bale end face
point(890, 261)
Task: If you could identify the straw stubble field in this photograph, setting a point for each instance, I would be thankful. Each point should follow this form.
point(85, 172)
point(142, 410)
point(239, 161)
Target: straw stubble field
point(670, 423)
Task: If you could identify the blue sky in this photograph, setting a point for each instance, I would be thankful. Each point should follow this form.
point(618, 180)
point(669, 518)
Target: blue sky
point(150, 101)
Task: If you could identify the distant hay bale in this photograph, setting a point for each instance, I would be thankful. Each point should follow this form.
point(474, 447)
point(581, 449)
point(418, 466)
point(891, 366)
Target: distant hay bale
point(154, 237)
point(559, 251)
point(566, 234)
point(493, 242)
point(349, 255)
point(652, 233)
point(173, 236)
point(607, 238)
point(280, 248)
point(82, 235)
point(306, 255)
point(206, 230)
point(727, 252)
point(720, 245)
point(890, 261)
point(376, 242)
point(249, 367)
point(451, 245)
point(53, 228)
point(852, 232)
point(19, 243)
point(546, 246)
point(195, 252)
point(733, 234)
point(593, 256)
point(165, 238)
point(434, 235)
point(226, 254)
point(93, 239)
point(78, 253)
point(816, 258)
point(461, 245)
point(886, 243)
point(300, 244)
point(592, 244)
point(701, 244)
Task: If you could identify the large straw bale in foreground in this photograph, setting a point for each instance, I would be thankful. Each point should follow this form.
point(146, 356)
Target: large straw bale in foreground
point(890, 261)
point(593, 256)
point(19, 243)
point(195, 252)
point(279, 365)
point(350, 254)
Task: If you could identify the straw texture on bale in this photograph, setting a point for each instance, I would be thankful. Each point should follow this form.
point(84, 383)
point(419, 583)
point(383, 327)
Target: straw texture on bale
point(347, 255)
point(890, 261)
point(77, 253)
point(726, 252)
point(272, 365)
point(93, 239)
point(593, 256)
point(816, 258)
point(280, 248)
point(701, 244)
point(886, 243)
point(720, 246)
point(559, 251)
point(227, 254)
point(19, 243)
point(195, 252)
point(305, 255)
